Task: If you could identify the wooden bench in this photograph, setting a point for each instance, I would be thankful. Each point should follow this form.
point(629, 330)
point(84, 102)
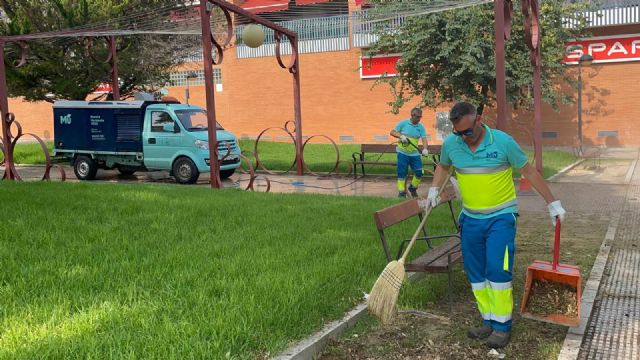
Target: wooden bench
point(359, 157)
point(437, 259)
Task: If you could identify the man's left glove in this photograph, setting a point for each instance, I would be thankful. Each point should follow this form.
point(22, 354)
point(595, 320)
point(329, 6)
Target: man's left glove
point(432, 199)
point(556, 210)
point(425, 152)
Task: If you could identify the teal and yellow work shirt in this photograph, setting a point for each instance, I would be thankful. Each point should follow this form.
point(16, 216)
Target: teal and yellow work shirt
point(413, 132)
point(485, 176)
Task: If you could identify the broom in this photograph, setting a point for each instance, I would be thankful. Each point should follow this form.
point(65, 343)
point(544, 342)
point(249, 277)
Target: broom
point(384, 294)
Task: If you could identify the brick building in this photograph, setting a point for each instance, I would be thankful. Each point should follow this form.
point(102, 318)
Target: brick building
point(339, 98)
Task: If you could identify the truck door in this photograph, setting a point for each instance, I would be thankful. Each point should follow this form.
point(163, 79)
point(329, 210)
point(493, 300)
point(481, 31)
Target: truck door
point(158, 137)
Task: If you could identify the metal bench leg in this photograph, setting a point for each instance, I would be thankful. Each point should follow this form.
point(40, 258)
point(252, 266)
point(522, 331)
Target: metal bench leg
point(450, 285)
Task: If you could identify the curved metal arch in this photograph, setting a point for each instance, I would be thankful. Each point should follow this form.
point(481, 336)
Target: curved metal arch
point(88, 45)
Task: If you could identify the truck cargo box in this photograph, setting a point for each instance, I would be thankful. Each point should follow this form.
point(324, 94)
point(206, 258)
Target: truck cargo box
point(99, 126)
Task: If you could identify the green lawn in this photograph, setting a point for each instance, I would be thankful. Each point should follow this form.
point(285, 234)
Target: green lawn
point(164, 272)
point(319, 157)
point(29, 153)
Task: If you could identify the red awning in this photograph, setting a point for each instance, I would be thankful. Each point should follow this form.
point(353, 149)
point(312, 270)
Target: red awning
point(261, 6)
point(103, 88)
point(308, 2)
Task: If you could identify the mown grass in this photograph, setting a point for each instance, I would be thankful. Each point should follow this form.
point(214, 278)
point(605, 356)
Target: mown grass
point(279, 156)
point(321, 157)
point(95, 271)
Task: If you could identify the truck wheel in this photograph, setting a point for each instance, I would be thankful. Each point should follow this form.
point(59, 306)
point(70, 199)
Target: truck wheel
point(224, 174)
point(85, 168)
point(185, 171)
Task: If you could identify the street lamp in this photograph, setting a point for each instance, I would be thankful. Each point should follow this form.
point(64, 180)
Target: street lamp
point(587, 60)
point(190, 76)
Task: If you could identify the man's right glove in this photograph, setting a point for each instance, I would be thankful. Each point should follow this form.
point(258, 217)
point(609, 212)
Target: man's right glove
point(404, 139)
point(556, 210)
point(432, 199)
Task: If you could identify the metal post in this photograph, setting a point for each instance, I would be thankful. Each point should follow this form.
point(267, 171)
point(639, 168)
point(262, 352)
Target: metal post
point(115, 84)
point(579, 108)
point(4, 110)
point(537, 110)
point(214, 166)
point(501, 86)
point(297, 108)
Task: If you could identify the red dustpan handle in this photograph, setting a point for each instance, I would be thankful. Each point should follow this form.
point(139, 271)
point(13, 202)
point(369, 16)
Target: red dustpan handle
point(556, 245)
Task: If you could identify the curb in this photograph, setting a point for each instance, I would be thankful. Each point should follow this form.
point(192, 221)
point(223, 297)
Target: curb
point(308, 348)
point(564, 170)
point(575, 335)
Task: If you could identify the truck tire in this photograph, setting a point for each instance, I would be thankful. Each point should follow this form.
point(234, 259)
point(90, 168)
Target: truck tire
point(85, 168)
point(224, 174)
point(185, 171)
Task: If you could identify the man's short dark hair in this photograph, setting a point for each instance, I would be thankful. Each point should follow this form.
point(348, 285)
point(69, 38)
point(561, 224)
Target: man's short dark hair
point(416, 110)
point(460, 110)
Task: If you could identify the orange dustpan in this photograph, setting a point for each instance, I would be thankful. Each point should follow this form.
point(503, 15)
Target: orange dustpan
point(553, 273)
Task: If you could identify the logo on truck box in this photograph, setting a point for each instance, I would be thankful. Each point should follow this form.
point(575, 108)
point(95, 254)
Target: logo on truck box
point(65, 120)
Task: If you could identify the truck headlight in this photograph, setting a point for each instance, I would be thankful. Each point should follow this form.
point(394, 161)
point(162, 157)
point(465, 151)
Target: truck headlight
point(204, 145)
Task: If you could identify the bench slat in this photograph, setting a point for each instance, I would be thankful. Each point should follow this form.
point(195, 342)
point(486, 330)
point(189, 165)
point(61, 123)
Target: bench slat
point(436, 260)
point(389, 148)
point(396, 213)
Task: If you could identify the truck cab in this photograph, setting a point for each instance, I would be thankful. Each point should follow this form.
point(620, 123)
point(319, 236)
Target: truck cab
point(140, 136)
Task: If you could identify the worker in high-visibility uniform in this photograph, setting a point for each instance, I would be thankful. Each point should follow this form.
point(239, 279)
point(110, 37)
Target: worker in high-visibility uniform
point(408, 132)
point(483, 159)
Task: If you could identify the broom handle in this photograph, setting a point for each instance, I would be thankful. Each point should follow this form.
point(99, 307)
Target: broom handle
point(556, 246)
point(424, 220)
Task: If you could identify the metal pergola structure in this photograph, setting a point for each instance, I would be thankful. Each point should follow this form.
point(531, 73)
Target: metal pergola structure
point(213, 55)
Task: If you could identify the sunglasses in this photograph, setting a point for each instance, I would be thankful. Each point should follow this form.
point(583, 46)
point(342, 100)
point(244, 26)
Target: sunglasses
point(468, 132)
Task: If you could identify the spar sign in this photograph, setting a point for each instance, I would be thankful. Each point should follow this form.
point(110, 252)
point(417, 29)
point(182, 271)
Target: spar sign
point(606, 49)
point(378, 66)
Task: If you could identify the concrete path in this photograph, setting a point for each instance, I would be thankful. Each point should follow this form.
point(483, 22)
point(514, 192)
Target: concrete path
point(613, 332)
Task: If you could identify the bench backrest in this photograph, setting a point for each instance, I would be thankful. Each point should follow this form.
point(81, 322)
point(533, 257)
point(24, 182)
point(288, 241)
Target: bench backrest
point(397, 213)
point(390, 148)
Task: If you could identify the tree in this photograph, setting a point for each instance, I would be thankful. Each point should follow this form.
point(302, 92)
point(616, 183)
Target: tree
point(62, 67)
point(450, 56)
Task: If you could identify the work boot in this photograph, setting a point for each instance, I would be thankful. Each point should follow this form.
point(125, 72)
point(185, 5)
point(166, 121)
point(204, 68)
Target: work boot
point(413, 191)
point(402, 194)
point(480, 332)
point(498, 339)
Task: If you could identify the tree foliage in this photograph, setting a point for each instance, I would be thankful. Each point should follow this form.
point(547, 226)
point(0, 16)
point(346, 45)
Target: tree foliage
point(62, 67)
point(450, 56)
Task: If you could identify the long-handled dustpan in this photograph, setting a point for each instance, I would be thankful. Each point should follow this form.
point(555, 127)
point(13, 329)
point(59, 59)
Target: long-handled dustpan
point(553, 273)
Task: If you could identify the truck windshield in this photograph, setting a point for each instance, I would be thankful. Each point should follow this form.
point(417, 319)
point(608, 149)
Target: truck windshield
point(194, 120)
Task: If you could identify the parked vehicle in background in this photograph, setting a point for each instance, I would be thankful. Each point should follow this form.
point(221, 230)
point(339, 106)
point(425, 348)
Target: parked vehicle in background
point(133, 136)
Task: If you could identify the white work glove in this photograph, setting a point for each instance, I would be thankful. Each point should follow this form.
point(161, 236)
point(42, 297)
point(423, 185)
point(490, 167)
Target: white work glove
point(425, 152)
point(556, 210)
point(432, 199)
point(404, 139)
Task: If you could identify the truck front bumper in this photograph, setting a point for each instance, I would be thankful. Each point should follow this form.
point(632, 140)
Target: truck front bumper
point(227, 164)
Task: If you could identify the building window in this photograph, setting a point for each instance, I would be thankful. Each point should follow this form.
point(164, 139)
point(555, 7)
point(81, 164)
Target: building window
point(180, 78)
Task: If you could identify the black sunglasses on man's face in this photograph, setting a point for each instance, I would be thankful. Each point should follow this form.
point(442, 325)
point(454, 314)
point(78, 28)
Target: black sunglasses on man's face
point(468, 132)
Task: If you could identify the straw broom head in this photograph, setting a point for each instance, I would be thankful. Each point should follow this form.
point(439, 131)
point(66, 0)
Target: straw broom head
point(384, 294)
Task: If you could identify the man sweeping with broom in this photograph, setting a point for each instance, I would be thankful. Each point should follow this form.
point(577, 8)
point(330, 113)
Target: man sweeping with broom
point(483, 159)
